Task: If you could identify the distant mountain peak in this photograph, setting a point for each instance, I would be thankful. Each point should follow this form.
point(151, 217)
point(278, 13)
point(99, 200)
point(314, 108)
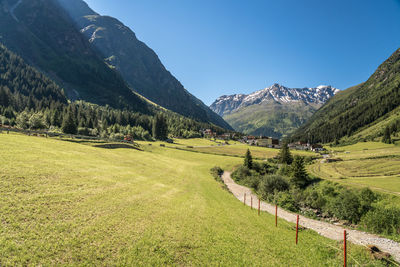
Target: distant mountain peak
point(277, 93)
point(273, 111)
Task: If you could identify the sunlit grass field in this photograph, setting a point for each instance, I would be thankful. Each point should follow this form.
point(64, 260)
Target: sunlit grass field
point(195, 142)
point(240, 150)
point(372, 164)
point(67, 202)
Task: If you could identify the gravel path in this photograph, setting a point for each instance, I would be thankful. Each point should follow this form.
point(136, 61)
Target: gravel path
point(323, 228)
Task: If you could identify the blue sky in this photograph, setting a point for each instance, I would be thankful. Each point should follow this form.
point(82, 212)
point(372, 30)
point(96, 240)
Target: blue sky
point(217, 47)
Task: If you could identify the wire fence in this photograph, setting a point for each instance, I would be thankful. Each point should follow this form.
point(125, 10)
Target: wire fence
point(343, 250)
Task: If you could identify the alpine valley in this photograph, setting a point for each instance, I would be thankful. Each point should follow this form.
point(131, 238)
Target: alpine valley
point(275, 111)
point(107, 160)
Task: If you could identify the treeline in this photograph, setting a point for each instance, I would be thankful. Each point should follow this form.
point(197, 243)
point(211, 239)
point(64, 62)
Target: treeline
point(29, 100)
point(391, 129)
point(357, 107)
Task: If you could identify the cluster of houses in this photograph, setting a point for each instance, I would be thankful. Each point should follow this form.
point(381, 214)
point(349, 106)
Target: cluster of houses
point(262, 141)
point(306, 146)
point(208, 133)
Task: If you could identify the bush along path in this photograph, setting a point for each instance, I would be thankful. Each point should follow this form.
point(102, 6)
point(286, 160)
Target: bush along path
point(323, 228)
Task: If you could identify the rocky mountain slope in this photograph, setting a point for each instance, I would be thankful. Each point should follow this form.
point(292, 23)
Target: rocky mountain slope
point(274, 111)
point(44, 35)
point(352, 111)
point(138, 64)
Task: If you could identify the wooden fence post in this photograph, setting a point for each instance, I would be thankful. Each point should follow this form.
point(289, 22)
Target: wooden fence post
point(276, 215)
point(259, 207)
point(251, 202)
point(244, 199)
point(297, 230)
point(345, 248)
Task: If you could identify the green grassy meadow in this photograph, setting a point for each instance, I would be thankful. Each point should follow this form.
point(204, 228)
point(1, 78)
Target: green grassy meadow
point(67, 202)
point(372, 164)
point(239, 149)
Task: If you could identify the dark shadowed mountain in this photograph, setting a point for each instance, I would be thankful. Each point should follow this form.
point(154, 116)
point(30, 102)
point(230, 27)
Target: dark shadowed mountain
point(138, 64)
point(46, 37)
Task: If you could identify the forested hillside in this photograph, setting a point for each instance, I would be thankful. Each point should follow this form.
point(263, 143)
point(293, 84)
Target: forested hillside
point(137, 63)
point(30, 100)
point(42, 33)
point(356, 108)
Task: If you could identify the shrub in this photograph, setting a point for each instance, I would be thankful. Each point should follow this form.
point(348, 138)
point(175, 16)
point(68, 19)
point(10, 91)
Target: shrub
point(286, 201)
point(263, 168)
point(4, 120)
point(271, 184)
point(93, 132)
point(284, 170)
point(83, 131)
point(216, 172)
point(252, 181)
point(241, 173)
point(117, 136)
point(367, 197)
point(314, 199)
point(247, 177)
point(346, 206)
point(36, 121)
point(382, 220)
point(22, 120)
point(309, 160)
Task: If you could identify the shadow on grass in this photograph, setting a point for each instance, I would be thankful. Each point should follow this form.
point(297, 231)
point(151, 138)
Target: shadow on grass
point(116, 146)
point(84, 141)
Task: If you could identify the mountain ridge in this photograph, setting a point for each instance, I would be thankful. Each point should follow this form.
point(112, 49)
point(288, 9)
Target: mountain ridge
point(227, 104)
point(355, 109)
point(42, 33)
point(274, 111)
point(137, 63)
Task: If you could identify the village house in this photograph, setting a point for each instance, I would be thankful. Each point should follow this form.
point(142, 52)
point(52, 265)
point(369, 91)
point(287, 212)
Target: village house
point(225, 136)
point(300, 146)
point(208, 133)
point(317, 148)
point(249, 139)
point(268, 142)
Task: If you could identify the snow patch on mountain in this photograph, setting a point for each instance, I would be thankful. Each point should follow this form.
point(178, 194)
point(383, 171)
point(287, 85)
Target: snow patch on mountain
point(226, 104)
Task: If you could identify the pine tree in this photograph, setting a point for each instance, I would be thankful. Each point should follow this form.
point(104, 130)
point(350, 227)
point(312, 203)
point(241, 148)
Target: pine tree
point(69, 125)
point(248, 159)
point(160, 127)
point(284, 155)
point(299, 173)
point(386, 137)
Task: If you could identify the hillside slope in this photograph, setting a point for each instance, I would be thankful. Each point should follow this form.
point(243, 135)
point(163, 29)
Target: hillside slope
point(43, 34)
point(31, 100)
point(356, 108)
point(274, 111)
point(24, 87)
point(82, 204)
point(138, 64)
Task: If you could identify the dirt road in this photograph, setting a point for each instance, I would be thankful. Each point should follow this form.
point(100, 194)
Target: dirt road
point(323, 228)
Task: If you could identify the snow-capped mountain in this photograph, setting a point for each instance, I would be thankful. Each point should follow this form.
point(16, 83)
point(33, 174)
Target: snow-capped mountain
point(277, 93)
